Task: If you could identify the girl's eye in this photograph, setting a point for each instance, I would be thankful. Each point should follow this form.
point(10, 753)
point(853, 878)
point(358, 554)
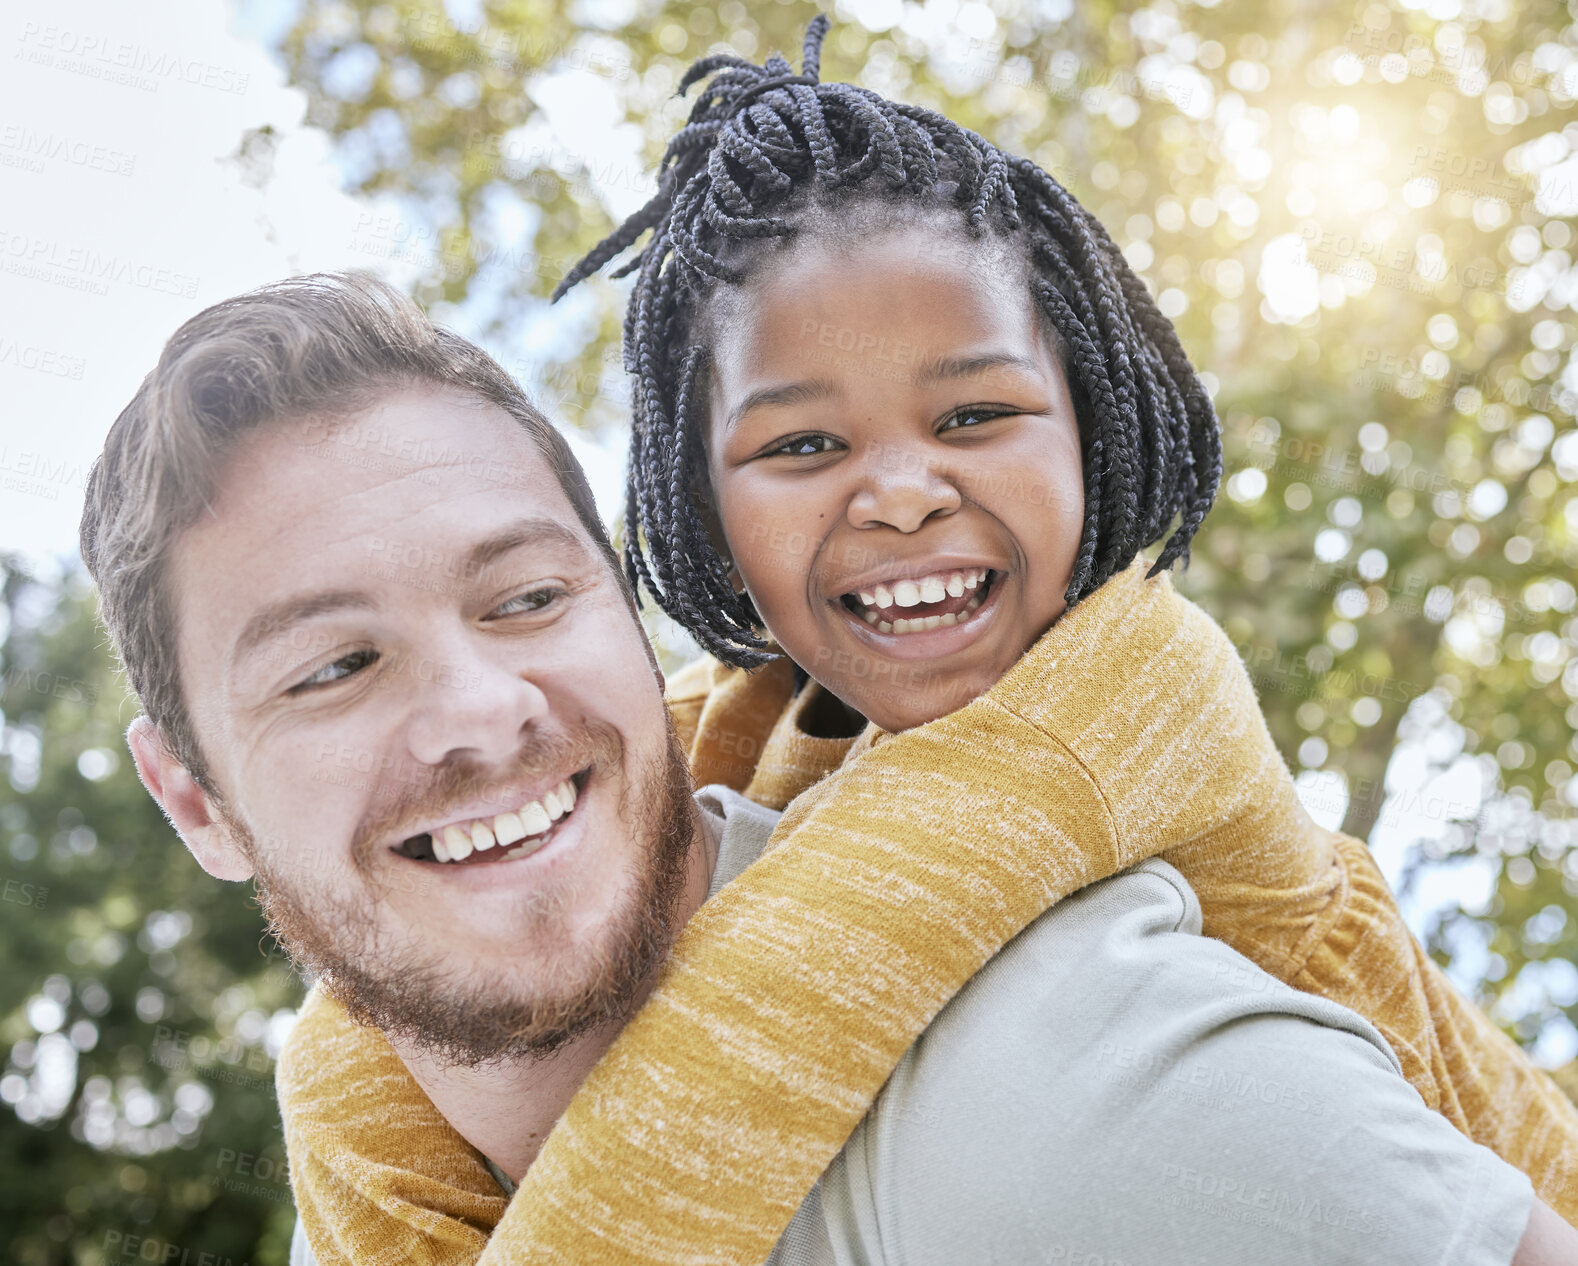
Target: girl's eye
point(339, 670)
point(803, 446)
point(969, 417)
point(534, 600)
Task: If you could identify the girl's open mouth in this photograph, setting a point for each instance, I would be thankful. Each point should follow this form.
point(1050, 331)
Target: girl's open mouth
point(938, 601)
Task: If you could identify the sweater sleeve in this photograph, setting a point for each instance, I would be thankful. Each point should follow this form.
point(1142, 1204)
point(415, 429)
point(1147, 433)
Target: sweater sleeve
point(378, 1175)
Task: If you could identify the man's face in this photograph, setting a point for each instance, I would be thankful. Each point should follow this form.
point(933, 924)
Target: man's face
point(395, 636)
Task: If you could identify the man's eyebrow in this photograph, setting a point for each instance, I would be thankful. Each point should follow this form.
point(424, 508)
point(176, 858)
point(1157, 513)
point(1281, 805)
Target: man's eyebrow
point(938, 368)
point(275, 618)
point(787, 393)
point(524, 533)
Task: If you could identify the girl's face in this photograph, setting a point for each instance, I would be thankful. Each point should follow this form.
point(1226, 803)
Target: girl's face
point(897, 467)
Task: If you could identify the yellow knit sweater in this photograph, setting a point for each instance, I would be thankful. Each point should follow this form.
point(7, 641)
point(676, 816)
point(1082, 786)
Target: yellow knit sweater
point(1129, 730)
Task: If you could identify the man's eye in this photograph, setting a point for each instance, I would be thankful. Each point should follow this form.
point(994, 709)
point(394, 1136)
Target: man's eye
point(803, 446)
point(339, 670)
point(973, 416)
point(533, 600)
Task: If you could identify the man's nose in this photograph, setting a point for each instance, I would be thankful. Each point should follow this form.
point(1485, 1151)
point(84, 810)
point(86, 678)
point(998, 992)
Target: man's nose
point(470, 704)
point(901, 491)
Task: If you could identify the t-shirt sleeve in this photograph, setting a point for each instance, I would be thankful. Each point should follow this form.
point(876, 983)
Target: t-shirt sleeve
point(300, 1251)
point(1113, 1090)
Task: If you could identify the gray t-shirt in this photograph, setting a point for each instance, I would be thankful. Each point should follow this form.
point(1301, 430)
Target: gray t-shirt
point(1114, 1089)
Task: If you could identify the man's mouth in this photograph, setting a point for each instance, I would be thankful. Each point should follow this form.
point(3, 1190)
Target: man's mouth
point(504, 837)
point(917, 604)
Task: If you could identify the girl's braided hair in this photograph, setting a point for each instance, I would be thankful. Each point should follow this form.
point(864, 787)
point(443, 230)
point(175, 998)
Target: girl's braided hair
point(762, 146)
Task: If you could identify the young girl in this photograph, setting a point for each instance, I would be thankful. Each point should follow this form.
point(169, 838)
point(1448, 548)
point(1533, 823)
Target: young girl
point(901, 401)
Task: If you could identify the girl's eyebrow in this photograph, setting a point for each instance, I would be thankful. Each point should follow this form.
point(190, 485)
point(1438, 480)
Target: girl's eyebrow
point(938, 368)
point(805, 392)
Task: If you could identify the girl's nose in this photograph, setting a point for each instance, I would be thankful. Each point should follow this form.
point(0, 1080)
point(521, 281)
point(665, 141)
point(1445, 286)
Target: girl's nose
point(901, 492)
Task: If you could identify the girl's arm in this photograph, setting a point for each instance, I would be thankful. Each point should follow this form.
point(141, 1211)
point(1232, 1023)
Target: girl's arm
point(378, 1175)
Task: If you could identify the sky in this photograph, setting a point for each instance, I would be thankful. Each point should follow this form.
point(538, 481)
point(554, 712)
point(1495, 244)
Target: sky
point(123, 212)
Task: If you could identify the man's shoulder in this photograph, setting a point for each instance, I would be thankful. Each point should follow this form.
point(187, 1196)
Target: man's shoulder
point(1114, 1085)
point(1122, 961)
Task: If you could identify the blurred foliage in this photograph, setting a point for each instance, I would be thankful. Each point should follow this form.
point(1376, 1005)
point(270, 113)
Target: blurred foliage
point(1360, 217)
point(138, 1005)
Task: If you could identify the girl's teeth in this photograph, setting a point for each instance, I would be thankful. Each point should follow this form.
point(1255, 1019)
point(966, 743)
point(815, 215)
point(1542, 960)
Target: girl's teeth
point(922, 623)
point(909, 593)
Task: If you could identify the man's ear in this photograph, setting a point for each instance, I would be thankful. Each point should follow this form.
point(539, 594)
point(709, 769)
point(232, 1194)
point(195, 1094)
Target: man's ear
point(186, 804)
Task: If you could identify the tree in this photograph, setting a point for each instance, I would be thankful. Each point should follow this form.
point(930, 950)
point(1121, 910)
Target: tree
point(142, 1002)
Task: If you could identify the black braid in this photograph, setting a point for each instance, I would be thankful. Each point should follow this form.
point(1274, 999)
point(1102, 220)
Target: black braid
point(765, 146)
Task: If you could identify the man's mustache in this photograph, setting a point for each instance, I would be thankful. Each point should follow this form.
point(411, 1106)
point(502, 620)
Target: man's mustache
point(431, 791)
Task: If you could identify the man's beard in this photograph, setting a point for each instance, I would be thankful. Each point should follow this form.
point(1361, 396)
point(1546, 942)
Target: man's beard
point(468, 1017)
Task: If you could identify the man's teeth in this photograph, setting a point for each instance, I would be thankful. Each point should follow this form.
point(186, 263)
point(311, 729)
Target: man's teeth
point(911, 593)
point(455, 843)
